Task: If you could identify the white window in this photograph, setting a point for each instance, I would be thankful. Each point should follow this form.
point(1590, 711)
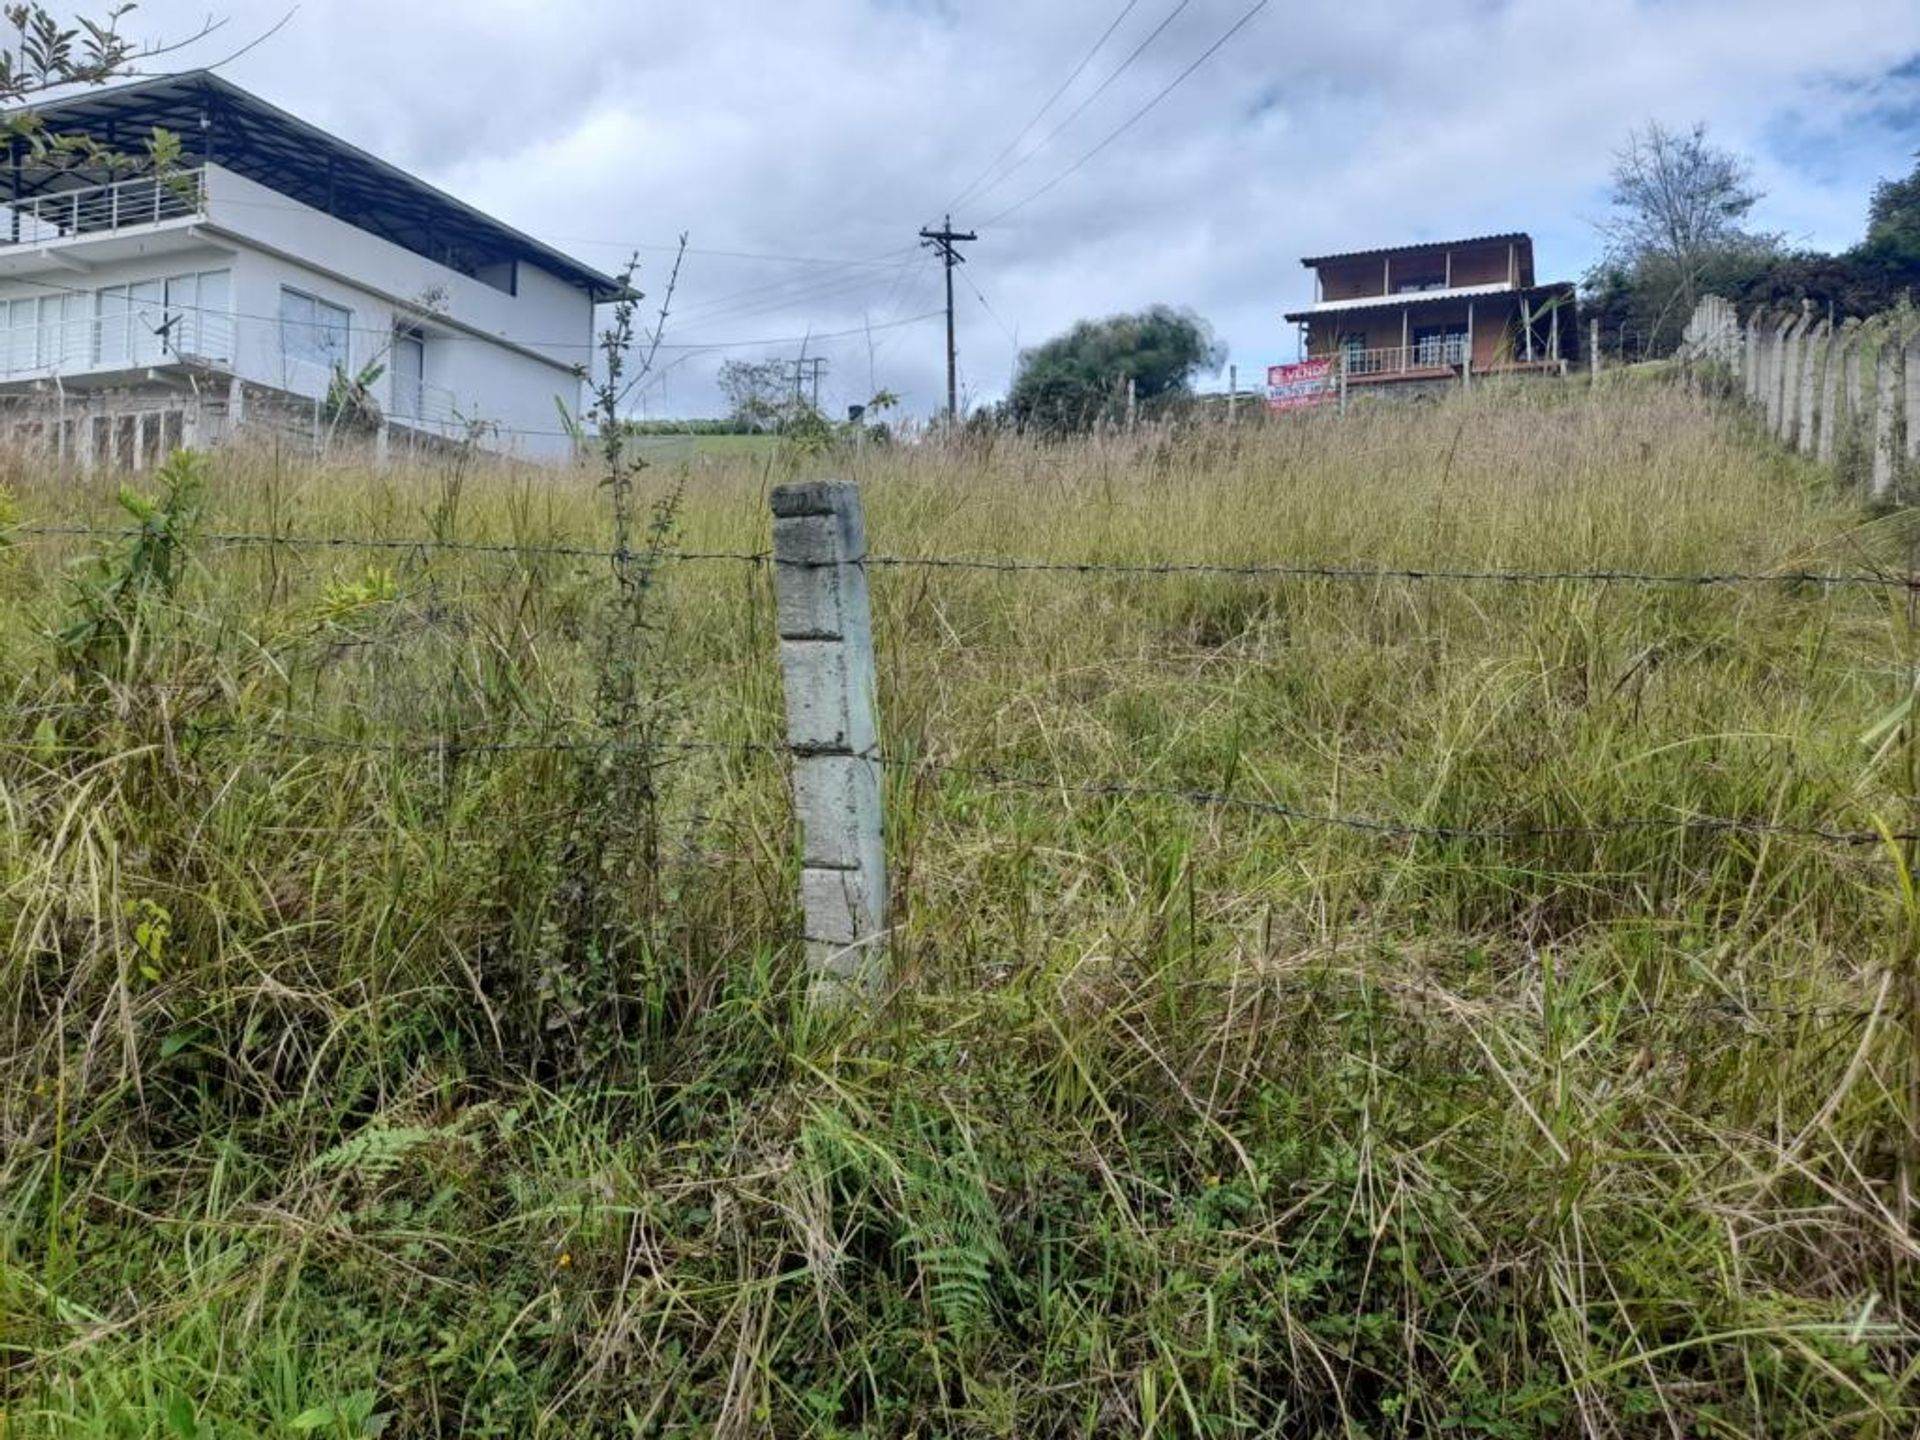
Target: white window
point(63, 340)
point(147, 308)
point(152, 321)
point(409, 374)
point(20, 335)
point(131, 317)
point(199, 323)
point(312, 331)
point(111, 337)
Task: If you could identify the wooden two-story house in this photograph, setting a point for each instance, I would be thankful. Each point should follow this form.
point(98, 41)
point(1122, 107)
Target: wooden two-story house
point(1451, 309)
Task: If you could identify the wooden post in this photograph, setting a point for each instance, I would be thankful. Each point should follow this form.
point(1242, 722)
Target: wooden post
point(825, 625)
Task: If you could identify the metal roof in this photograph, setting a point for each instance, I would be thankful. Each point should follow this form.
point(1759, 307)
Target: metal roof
point(219, 123)
point(1426, 297)
point(1510, 236)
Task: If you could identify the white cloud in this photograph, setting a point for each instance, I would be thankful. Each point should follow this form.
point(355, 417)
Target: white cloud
point(835, 128)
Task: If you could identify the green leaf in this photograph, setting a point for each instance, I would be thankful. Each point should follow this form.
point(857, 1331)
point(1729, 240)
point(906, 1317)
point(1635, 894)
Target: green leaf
point(176, 1042)
point(181, 1419)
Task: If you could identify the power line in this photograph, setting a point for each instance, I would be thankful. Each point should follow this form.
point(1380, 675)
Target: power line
point(603, 243)
point(1052, 100)
point(986, 307)
point(1082, 107)
point(1137, 115)
point(787, 294)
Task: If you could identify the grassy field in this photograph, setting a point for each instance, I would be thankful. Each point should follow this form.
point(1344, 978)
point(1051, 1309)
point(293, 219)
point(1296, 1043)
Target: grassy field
point(402, 1032)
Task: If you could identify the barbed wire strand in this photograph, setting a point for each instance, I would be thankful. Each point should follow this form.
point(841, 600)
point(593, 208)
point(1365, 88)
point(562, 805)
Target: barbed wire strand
point(1199, 798)
point(1015, 566)
point(1408, 829)
point(664, 753)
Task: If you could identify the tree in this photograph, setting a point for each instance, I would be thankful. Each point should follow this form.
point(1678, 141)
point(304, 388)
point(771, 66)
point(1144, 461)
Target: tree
point(1676, 230)
point(43, 54)
point(1077, 378)
point(1893, 221)
point(755, 392)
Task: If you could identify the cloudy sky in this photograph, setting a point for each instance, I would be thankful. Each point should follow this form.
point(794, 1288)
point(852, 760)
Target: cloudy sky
point(802, 143)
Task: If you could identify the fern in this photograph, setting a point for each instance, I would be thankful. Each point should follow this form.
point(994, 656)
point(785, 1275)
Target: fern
point(376, 1152)
point(953, 1227)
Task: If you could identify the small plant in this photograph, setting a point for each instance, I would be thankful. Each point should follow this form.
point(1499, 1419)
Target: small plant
point(347, 605)
point(116, 596)
point(350, 403)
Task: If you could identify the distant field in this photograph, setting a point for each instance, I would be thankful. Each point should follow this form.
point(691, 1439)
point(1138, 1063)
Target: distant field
point(401, 1033)
point(671, 448)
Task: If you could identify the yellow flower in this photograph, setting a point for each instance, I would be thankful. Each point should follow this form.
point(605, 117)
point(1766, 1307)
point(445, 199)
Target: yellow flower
point(566, 1259)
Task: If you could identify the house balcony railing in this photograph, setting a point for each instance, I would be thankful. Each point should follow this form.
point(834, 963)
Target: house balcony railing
point(421, 404)
point(57, 346)
point(103, 209)
point(1442, 353)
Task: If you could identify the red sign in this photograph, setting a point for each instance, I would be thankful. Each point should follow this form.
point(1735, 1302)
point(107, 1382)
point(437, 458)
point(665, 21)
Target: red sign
point(1300, 386)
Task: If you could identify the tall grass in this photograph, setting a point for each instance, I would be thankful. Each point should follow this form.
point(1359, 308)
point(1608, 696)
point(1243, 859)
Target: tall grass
point(344, 1089)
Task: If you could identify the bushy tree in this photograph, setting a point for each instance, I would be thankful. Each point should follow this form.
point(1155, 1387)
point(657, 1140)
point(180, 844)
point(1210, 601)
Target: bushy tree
point(1078, 378)
point(1873, 276)
point(1676, 233)
point(756, 393)
point(1893, 222)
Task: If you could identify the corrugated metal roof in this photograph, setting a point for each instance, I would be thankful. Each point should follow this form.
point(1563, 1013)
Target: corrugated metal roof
point(305, 163)
point(1512, 235)
point(1424, 297)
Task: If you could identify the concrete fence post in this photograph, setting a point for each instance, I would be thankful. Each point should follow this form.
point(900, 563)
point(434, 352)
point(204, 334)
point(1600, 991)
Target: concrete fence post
point(1859, 419)
point(825, 624)
point(1912, 372)
point(1593, 350)
point(1886, 414)
point(1750, 343)
point(1814, 358)
point(1777, 346)
point(1790, 364)
point(1833, 397)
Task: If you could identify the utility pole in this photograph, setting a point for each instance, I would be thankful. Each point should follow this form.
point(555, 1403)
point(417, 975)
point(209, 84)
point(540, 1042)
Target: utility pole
point(943, 242)
point(805, 367)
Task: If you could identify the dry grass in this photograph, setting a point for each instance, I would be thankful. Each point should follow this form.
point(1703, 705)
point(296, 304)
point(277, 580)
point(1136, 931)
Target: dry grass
point(439, 1087)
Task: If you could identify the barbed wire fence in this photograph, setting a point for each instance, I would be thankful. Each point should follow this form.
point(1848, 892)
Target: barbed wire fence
point(819, 565)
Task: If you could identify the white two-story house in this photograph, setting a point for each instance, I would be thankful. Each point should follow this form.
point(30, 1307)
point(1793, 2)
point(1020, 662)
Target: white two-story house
point(275, 278)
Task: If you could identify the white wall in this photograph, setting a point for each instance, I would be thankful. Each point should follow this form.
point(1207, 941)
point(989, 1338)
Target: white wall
point(493, 360)
point(548, 325)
